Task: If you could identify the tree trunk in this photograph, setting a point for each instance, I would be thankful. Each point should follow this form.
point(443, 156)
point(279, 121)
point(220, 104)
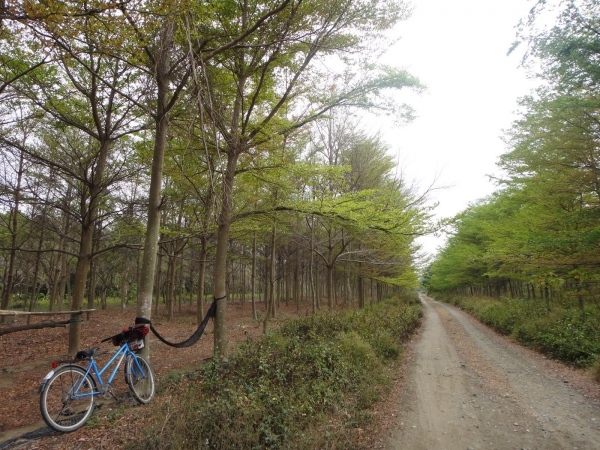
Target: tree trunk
point(171, 287)
point(201, 275)
point(297, 279)
point(311, 267)
point(162, 78)
point(157, 283)
point(103, 296)
point(92, 274)
point(26, 284)
point(181, 281)
point(191, 277)
point(234, 149)
point(91, 285)
point(81, 271)
point(361, 290)
point(220, 273)
point(349, 293)
point(253, 277)
point(34, 291)
point(329, 286)
point(14, 223)
point(243, 276)
point(84, 256)
point(125, 281)
point(54, 286)
point(271, 302)
point(4, 276)
point(232, 288)
point(266, 278)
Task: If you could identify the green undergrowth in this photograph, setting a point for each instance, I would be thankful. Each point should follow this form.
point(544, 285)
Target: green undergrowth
point(307, 384)
point(562, 332)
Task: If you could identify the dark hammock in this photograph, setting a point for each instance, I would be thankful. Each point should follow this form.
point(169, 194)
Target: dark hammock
point(194, 337)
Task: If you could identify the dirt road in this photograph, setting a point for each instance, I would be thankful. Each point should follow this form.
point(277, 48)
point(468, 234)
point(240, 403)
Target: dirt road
point(471, 389)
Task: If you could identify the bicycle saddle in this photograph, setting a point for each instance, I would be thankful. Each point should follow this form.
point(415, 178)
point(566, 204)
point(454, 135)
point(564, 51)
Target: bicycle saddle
point(82, 354)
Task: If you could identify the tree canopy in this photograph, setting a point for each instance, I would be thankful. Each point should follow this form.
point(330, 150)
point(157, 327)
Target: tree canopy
point(176, 148)
point(540, 231)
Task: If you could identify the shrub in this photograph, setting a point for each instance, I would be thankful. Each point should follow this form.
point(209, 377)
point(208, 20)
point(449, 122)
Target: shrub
point(569, 337)
point(563, 333)
point(286, 389)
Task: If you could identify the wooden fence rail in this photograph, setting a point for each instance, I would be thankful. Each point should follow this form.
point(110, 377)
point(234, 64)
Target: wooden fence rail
point(36, 326)
point(4, 312)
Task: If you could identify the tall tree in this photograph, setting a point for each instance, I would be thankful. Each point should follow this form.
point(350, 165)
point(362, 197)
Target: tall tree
point(257, 93)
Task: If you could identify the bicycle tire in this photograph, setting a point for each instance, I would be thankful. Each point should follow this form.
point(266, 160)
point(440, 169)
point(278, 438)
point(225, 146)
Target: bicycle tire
point(59, 410)
point(141, 386)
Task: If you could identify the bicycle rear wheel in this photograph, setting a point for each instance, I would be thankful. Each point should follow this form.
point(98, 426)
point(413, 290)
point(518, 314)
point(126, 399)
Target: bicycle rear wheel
point(141, 382)
point(67, 399)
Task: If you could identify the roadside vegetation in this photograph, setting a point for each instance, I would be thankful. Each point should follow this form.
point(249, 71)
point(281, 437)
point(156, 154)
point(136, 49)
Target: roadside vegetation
point(563, 332)
point(309, 384)
point(525, 259)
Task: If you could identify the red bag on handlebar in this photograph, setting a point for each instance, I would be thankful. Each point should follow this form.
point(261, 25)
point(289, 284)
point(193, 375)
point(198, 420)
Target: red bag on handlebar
point(136, 332)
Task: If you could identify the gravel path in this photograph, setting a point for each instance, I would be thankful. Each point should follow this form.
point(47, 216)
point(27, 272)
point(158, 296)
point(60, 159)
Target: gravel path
point(472, 389)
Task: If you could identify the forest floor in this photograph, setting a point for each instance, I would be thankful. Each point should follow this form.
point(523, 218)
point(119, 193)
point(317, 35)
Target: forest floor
point(26, 356)
point(470, 388)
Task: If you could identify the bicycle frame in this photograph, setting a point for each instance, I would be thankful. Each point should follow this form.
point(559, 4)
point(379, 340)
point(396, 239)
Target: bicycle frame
point(68, 392)
point(92, 366)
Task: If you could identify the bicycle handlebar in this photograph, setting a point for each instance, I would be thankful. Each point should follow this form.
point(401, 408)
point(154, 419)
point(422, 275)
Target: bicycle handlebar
point(136, 332)
point(111, 338)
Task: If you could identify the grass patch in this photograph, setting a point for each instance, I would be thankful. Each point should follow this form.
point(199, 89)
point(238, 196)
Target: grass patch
point(307, 384)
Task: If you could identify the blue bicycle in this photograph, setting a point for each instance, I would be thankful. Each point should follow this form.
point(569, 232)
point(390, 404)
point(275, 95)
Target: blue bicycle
point(68, 392)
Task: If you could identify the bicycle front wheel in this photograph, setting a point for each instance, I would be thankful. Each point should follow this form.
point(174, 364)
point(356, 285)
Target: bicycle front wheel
point(139, 378)
point(67, 399)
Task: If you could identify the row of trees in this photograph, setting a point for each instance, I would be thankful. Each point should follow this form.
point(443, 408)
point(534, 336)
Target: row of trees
point(539, 235)
point(199, 139)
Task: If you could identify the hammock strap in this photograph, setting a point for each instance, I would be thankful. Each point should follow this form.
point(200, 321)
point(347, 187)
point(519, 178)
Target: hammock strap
point(197, 334)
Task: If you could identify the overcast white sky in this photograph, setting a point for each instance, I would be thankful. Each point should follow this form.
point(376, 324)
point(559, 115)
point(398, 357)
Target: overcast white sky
point(459, 50)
